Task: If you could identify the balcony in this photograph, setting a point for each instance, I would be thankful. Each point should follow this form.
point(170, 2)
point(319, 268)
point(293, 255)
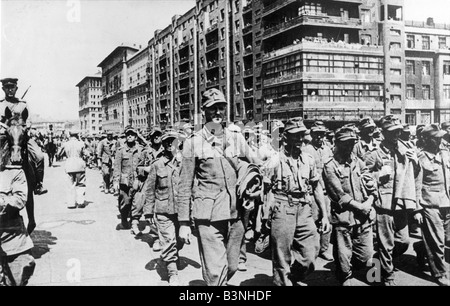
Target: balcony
point(212, 46)
point(184, 90)
point(183, 60)
point(213, 27)
point(317, 44)
point(183, 45)
point(248, 50)
point(212, 83)
point(276, 5)
point(248, 72)
point(183, 75)
point(212, 64)
point(247, 8)
point(420, 24)
point(247, 29)
point(162, 83)
point(317, 20)
point(248, 93)
point(184, 106)
point(162, 57)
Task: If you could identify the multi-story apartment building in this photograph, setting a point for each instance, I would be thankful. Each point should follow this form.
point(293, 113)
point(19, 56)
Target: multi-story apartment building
point(138, 89)
point(114, 88)
point(333, 60)
point(90, 108)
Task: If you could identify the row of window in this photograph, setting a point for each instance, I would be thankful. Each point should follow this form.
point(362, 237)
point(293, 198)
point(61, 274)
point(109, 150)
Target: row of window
point(411, 42)
point(411, 92)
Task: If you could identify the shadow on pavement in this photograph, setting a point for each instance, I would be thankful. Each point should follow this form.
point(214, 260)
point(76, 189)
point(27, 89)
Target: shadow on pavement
point(408, 264)
point(160, 266)
point(185, 262)
point(42, 240)
point(258, 280)
point(197, 282)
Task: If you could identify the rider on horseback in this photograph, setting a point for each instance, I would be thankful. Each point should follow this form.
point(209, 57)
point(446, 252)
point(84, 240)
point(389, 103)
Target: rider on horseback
point(18, 108)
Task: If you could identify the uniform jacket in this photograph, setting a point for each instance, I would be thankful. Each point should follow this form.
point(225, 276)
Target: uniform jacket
point(147, 156)
point(105, 151)
point(434, 179)
point(400, 190)
point(212, 162)
point(125, 164)
point(161, 186)
point(343, 180)
point(291, 180)
point(74, 150)
point(362, 148)
point(14, 238)
point(16, 108)
point(321, 155)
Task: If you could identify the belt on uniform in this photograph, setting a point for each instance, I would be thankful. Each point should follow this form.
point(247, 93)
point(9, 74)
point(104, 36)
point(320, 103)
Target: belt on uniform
point(293, 199)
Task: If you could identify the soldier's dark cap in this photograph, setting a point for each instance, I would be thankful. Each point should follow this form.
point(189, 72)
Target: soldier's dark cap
point(211, 97)
point(9, 81)
point(294, 126)
point(390, 123)
point(318, 127)
point(170, 133)
point(445, 125)
point(345, 133)
point(406, 128)
point(366, 123)
point(155, 130)
point(432, 131)
point(130, 130)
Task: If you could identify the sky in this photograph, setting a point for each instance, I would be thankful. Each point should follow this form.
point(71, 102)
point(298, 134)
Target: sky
point(52, 45)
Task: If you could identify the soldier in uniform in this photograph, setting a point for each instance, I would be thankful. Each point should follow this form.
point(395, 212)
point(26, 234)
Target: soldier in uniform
point(19, 107)
point(125, 173)
point(321, 153)
point(16, 261)
point(161, 193)
point(105, 153)
point(294, 235)
point(210, 159)
point(50, 145)
point(446, 138)
point(352, 193)
point(366, 143)
point(395, 168)
point(434, 198)
point(75, 167)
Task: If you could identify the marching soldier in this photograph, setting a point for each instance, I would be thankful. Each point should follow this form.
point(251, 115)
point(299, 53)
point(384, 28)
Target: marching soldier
point(161, 190)
point(125, 166)
point(352, 193)
point(395, 168)
point(446, 138)
point(367, 142)
point(294, 236)
point(105, 153)
point(434, 198)
point(210, 159)
point(321, 153)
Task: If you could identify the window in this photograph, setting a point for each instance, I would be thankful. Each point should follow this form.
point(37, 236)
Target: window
point(238, 67)
point(446, 91)
point(395, 46)
point(238, 88)
point(395, 32)
point(442, 42)
point(410, 92)
point(237, 47)
point(396, 72)
point(237, 26)
point(410, 41)
point(396, 59)
point(426, 92)
point(396, 86)
point(426, 68)
point(425, 42)
point(446, 67)
point(410, 67)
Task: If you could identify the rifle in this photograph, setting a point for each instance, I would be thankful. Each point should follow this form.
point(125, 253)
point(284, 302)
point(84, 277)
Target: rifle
point(25, 93)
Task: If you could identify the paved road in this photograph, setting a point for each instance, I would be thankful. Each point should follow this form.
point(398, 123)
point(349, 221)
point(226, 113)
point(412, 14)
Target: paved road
point(87, 238)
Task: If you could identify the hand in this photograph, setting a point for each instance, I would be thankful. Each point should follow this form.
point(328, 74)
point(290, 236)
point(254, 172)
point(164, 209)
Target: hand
point(385, 172)
point(325, 226)
point(253, 195)
point(365, 207)
point(185, 234)
point(418, 217)
point(149, 219)
point(411, 154)
point(248, 205)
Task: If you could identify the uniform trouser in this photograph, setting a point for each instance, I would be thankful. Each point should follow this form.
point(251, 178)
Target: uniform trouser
point(16, 270)
point(243, 251)
point(37, 161)
point(436, 236)
point(352, 248)
point(106, 173)
point(294, 241)
point(219, 244)
point(77, 187)
point(137, 211)
point(125, 199)
point(167, 226)
point(324, 238)
point(392, 238)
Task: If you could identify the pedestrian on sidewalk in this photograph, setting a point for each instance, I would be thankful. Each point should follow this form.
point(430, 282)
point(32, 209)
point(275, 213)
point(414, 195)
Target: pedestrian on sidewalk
point(105, 154)
point(125, 174)
point(75, 167)
point(161, 192)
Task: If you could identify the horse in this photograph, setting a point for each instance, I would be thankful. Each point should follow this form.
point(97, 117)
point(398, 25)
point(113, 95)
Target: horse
point(13, 144)
point(50, 148)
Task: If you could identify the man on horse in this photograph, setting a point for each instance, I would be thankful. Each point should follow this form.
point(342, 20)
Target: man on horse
point(50, 145)
point(19, 108)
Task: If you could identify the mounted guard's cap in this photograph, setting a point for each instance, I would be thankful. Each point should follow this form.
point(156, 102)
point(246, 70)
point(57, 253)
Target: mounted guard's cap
point(9, 81)
point(211, 97)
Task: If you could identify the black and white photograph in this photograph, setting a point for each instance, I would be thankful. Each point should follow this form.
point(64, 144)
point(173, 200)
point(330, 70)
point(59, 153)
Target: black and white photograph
point(237, 143)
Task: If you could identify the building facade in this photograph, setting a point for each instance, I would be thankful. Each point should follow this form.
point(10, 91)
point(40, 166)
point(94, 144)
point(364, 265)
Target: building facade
point(336, 61)
point(90, 107)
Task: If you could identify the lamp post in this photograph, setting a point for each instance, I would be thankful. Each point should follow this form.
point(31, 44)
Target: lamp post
point(269, 107)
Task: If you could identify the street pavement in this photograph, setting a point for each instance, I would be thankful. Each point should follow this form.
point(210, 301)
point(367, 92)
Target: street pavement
point(84, 247)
